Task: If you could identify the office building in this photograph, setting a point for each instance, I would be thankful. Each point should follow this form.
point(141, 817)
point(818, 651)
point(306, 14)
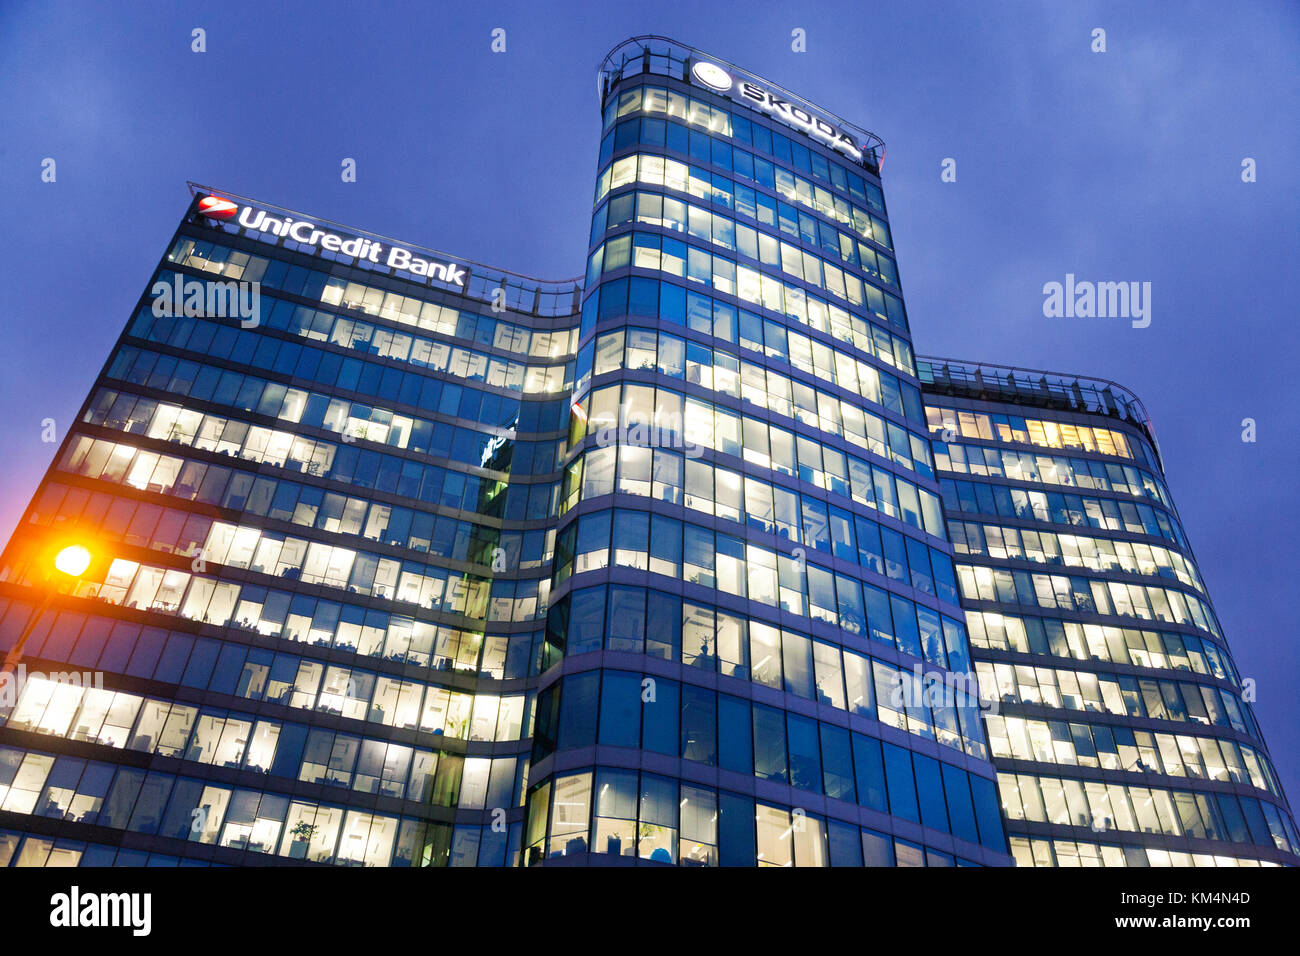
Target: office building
point(396, 559)
point(1120, 727)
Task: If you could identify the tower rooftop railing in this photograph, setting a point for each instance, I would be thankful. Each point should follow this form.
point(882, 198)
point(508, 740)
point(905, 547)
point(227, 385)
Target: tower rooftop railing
point(663, 56)
point(1035, 387)
point(522, 294)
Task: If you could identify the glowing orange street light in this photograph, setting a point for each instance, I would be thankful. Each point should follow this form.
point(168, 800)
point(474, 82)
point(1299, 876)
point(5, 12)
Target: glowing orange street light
point(72, 561)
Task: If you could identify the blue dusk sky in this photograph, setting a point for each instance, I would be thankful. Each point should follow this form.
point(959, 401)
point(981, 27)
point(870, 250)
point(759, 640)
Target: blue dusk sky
point(1117, 166)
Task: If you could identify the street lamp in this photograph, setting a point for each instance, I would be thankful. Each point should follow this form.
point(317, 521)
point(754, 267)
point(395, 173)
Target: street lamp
point(71, 561)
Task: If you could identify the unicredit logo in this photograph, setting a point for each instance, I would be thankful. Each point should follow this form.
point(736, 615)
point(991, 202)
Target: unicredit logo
point(214, 207)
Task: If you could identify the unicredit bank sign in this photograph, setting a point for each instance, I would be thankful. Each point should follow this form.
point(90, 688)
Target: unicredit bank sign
point(716, 78)
point(310, 234)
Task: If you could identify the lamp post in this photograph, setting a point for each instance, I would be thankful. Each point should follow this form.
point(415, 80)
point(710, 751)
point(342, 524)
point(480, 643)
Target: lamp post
point(72, 561)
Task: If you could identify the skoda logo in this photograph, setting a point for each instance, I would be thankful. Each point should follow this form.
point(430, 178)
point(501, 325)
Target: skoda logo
point(712, 76)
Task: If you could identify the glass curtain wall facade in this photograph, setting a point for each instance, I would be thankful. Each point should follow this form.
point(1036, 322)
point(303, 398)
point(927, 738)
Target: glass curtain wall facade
point(321, 569)
point(752, 589)
point(1117, 720)
point(685, 561)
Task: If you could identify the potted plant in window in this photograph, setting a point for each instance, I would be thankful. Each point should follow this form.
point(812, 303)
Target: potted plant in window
point(302, 833)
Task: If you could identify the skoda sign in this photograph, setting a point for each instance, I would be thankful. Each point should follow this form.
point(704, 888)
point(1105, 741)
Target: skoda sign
point(776, 105)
